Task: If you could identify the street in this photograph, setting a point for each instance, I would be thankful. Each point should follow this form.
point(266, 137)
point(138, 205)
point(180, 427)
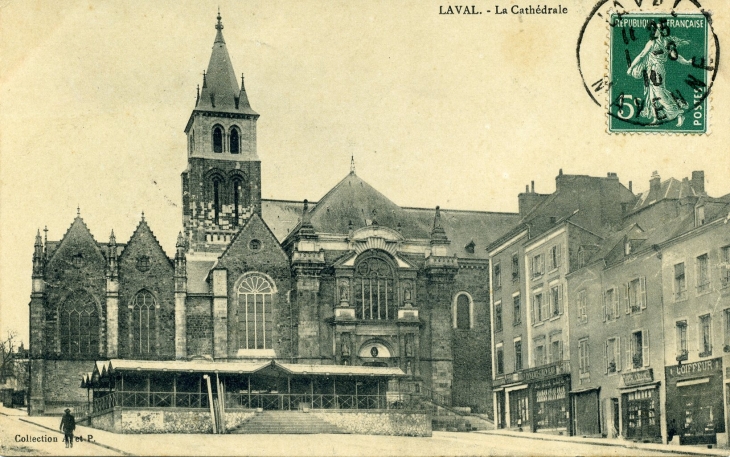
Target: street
point(442, 443)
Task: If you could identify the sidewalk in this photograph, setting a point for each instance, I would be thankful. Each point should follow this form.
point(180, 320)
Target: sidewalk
point(694, 450)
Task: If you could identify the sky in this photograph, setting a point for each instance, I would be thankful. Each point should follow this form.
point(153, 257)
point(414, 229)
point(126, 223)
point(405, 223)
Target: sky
point(450, 110)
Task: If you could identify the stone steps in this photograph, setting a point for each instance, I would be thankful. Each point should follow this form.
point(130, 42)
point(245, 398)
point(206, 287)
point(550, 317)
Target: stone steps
point(285, 422)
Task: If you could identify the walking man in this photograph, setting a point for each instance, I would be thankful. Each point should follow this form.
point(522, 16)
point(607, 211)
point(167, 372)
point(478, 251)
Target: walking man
point(68, 425)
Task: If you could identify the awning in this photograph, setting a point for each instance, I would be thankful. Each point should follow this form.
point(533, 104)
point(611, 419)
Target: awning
point(585, 389)
point(106, 368)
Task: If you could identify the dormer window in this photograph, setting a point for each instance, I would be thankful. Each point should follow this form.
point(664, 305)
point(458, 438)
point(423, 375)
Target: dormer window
point(234, 141)
point(217, 139)
point(699, 216)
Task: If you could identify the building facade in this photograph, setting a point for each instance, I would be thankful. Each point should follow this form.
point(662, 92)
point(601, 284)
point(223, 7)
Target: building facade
point(351, 280)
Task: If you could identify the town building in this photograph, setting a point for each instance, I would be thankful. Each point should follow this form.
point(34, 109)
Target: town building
point(296, 300)
point(531, 324)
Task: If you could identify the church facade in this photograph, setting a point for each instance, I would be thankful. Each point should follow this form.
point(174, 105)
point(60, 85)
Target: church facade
point(352, 279)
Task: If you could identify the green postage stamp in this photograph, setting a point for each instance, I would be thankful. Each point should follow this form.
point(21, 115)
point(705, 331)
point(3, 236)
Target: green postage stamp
point(660, 72)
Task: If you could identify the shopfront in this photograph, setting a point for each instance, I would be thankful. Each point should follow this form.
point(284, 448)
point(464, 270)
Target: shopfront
point(548, 388)
point(695, 406)
point(640, 406)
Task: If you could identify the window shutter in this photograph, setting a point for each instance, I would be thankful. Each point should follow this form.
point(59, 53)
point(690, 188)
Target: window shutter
point(550, 351)
point(560, 347)
point(615, 304)
point(626, 298)
point(605, 357)
point(535, 320)
point(618, 353)
point(645, 348)
point(642, 291)
point(604, 306)
point(560, 299)
point(559, 255)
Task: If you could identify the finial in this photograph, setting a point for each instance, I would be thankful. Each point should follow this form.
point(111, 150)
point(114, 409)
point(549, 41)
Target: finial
point(242, 83)
point(205, 81)
point(219, 25)
point(197, 95)
point(112, 239)
point(45, 234)
point(352, 164)
point(142, 216)
point(78, 211)
point(180, 240)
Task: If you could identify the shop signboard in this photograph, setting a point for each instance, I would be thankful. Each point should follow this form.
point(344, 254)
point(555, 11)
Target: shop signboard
point(695, 369)
point(637, 378)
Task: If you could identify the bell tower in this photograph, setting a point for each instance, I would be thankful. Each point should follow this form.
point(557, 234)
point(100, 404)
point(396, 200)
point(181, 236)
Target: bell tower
point(222, 183)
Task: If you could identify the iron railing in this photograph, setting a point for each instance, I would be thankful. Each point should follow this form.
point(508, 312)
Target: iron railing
point(253, 400)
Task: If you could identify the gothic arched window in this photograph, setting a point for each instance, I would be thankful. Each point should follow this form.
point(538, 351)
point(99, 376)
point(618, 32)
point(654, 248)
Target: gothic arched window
point(255, 312)
point(79, 325)
point(217, 139)
point(374, 290)
point(216, 198)
point(233, 139)
point(237, 188)
point(144, 323)
point(462, 312)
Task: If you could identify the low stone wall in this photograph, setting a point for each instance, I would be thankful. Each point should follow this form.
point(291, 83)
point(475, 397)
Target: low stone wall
point(163, 420)
point(378, 422)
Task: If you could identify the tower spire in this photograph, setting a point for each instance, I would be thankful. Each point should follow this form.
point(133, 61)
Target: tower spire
point(352, 164)
point(219, 28)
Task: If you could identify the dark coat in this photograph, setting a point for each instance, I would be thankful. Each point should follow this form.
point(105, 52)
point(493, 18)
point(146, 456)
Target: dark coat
point(68, 424)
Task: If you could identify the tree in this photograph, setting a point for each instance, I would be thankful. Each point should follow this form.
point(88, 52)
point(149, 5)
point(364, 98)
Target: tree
point(7, 356)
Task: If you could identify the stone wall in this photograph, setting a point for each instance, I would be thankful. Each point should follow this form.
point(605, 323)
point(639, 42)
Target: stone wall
point(379, 423)
point(199, 326)
point(157, 278)
point(61, 381)
point(161, 420)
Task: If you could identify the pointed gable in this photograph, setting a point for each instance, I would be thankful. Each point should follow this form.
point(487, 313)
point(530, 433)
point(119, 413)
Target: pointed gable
point(254, 247)
point(144, 243)
point(77, 248)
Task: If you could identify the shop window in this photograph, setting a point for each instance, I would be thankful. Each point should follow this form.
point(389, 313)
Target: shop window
point(255, 312)
point(555, 348)
point(582, 307)
point(680, 282)
point(144, 323)
point(500, 358)
point(703, 274)
point(705, 335)
point(726, 319)
point(518, 354)
point(374, 290)
point(463, 312)
point(682, 351)
point(515, 267)
point(497, 275)
point(610, 305)
point(555, 258)
point(635, 295)
point(498, 317)
point(639, 349)
point(516, 310)
point(79, 325)
point(725, 267)
point(583, 356)
point(612, 355)
point(217, 139)
point(556, 300)
point(538, 265)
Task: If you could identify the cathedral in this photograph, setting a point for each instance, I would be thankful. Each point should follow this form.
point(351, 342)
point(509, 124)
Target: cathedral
point(352, 283)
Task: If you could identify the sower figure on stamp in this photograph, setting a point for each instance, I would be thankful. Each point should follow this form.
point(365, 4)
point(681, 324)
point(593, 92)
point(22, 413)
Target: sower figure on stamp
point(650, 65)
point(68, 425)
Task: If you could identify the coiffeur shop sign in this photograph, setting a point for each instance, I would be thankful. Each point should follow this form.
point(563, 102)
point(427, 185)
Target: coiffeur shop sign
point(690, 370)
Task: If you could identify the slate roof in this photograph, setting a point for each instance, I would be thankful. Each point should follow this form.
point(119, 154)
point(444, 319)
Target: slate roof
point(354, 200)
point(220, 91)
point(671, 188)
point(197, 275)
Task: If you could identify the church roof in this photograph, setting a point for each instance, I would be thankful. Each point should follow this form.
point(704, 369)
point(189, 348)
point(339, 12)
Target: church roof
point(354, 200)
point(220, 92)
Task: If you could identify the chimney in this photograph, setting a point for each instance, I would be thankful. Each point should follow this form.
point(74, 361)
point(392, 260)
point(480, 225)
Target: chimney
point(532, 187)
point(655, 183)
point(631, 187)
point(698, 181)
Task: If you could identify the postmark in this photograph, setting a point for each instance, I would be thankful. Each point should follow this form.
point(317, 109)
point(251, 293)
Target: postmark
point(658, 66)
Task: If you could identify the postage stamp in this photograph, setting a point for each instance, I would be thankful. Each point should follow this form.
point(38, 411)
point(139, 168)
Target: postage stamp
point(658, 69)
